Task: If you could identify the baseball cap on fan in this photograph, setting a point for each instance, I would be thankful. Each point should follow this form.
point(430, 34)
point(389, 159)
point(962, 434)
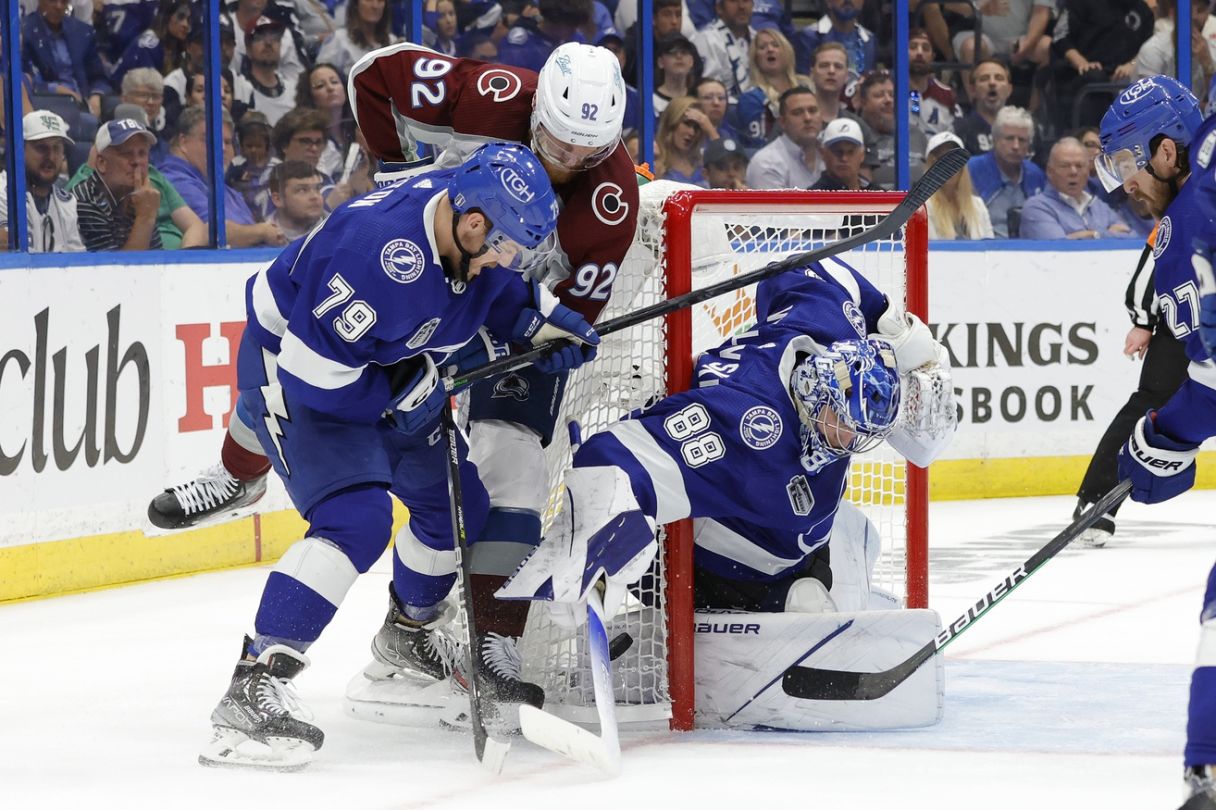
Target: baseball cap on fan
point(119, 131)
point(941, 139)
point(842, 129)
point(42, 124)
point(263, 25)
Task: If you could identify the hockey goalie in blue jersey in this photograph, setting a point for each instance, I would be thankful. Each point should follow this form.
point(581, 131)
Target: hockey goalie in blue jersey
point(339, 366)
point(758, 453)
point(1157, 147)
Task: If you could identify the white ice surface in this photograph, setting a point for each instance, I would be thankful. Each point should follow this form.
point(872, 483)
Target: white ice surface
point(1070, 694)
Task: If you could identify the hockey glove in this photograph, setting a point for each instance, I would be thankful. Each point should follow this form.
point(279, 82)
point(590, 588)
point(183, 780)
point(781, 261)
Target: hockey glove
point(550, 320)
point(1158, 467)
point(420, 399)
point(482, 349)
point(1201, 261)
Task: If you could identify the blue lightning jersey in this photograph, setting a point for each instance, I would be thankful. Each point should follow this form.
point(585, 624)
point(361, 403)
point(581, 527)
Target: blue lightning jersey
point(1190, 415)
point(732, 448)
point(365, 290)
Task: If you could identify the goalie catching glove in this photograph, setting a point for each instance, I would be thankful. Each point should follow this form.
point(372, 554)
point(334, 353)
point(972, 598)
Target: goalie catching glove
point(927, 417)
point(602, 532)
point(551, 320)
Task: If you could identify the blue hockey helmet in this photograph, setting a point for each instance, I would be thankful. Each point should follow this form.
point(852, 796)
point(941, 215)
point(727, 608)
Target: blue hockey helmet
point(856, 380)
point(1156, 105)
point(506, 183)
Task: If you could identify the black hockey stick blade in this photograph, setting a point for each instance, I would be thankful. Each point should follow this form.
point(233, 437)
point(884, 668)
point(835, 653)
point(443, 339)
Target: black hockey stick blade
point(946, 167)
point(810, 683)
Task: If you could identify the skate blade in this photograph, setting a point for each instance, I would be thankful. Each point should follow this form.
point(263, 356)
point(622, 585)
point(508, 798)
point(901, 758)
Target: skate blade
point(500, 721)
point(397, 700)
point(230, 748)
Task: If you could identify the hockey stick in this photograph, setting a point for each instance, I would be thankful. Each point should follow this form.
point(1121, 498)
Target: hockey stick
point(565, 738)
point(809, 683)
point(946, 167)
point(490, 752)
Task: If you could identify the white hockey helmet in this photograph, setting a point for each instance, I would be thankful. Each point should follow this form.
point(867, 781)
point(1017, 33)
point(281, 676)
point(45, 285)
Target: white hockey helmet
point(579, 106)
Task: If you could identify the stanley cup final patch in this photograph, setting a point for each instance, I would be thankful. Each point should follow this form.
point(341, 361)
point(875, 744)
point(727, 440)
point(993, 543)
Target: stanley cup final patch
point(802, 500)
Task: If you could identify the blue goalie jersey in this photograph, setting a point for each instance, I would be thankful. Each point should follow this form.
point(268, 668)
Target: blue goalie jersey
point(365, 290)
point(732, 448)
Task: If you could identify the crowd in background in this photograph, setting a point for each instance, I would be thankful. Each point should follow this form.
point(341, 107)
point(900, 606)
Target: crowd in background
point(747, 94)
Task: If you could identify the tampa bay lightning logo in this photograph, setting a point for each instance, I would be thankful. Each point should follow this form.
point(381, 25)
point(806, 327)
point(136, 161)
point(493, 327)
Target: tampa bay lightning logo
point(855, 317)
point(402, 261)
point(511, 386)
point(1164, 231)
point(760, 427)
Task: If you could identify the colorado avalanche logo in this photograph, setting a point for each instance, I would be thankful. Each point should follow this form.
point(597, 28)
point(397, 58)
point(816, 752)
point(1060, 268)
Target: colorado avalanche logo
point(1164, 231)
point(402, 261)
point(607, 204)
point(499, 84)
point(511, 386)
point(855, 317)
point(760, 427)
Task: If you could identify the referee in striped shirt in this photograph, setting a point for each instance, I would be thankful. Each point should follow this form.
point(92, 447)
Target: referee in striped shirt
point(1164, 369)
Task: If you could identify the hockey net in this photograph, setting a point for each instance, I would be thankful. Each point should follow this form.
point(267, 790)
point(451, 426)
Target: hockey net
point(690, 238)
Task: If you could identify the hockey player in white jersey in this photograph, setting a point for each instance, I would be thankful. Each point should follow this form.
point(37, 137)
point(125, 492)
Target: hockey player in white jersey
point(1157, 147)
point(758, 452)
point(338, 367)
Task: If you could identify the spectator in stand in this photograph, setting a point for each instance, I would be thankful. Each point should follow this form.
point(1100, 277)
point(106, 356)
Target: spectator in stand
point(955, 212)
point(62, 55)
point(367, 28)
point(725, 45)
point(792, 159)
point(990, 89)
point(440, 29)
point(932, 104)
point(1064, 209)
point(298, 136)
point(1096, 41)
point(479, 46)
point(1005, 178)
point(876, 94)
point(116, 203)
point(322, 88)
point(666, 19)
point(677, 72)
point(49, 208)
point(271, 91)
point(299, 203)
point(677, 147)
point(145, 88)
point(844, 151)
point(1156, 55)
point(838, 25)
point(829, 72)
point(951, 27)
point(714, 101)
point(186, 167)
point(725, 164)
point(242, 16)
point(633, 103)
point(626, 16)
point(529, 43)
point(1017, 30)
point(249, 173)
point(163, 46)
point(772, 73)
point(119, 23)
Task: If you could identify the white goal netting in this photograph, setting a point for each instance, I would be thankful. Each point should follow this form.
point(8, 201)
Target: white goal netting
point(723, 234)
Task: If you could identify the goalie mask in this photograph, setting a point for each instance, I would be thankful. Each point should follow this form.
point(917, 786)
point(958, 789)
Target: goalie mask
point(847, 399)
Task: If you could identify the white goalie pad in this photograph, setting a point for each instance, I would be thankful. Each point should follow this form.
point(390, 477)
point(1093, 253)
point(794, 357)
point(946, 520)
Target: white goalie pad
point(927, 416)
point(741, 658)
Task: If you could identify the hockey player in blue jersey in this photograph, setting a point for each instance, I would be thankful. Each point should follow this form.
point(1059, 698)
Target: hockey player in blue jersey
point(339, 368)
point(758, 452)
point(1155, 144)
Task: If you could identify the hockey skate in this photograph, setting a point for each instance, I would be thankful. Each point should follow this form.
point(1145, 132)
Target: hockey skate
point(215, 494)
point(403, 648)
point(496, 665)
point(1097, 535)
point(1202, 789)
point(256, 723)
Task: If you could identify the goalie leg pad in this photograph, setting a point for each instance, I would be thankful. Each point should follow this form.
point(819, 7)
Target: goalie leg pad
point(740, 660)
point(854, 548)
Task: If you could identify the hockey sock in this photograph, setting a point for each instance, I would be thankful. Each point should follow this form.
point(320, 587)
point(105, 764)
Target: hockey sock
point(241, 463)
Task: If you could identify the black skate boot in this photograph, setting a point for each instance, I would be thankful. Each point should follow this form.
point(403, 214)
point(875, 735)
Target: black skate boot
point(1202, 787)
point(256, 723)
point(408, 648)
point(214, 494)
point(496, 662)
point(1097, 535)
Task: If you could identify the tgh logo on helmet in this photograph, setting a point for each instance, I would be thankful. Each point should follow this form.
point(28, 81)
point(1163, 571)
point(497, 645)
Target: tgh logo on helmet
point(1136, 90)
point(516, 185)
